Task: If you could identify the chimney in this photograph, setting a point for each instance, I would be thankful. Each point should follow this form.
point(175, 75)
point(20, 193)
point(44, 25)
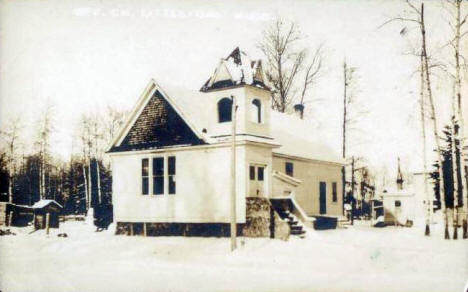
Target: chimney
point(299, 110)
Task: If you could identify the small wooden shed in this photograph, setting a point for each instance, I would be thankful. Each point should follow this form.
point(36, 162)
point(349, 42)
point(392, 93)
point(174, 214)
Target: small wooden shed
point(41, 209)
point(18, 215)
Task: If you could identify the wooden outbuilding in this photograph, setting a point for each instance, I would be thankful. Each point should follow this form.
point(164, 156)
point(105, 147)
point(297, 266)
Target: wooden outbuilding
point(44, 208)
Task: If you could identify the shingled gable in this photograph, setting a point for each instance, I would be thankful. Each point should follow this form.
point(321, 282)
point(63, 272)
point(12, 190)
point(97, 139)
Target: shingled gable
point(156, 122)
point(236, 69)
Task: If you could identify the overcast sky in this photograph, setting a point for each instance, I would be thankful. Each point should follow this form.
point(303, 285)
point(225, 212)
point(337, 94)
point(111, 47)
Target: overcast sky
point(83, 55)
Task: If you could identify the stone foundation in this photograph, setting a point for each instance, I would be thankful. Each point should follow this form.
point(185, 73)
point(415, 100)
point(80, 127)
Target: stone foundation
point(176, 229)
point(261, 221)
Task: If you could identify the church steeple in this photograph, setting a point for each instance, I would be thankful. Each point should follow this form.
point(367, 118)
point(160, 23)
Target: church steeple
point(234, 70)
point(240, 76)
point(399, 180)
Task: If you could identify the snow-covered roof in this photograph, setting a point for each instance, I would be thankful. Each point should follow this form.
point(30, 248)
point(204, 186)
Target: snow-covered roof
point(301, 138)
point(43, 203)
point(293, 136)
point(297, 137)
point(236, 69)
point(286, 178)
point(191, 103)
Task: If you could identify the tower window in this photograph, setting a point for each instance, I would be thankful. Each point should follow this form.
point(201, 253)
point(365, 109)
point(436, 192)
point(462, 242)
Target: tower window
point(224, 110)
point(256, 111)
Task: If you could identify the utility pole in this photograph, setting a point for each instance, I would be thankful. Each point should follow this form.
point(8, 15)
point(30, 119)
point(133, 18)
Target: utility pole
point(353, 201)
point(233, 175)
point(343, 168)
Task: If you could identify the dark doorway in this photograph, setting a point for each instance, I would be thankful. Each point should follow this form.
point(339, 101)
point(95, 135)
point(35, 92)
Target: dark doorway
point(323, 198)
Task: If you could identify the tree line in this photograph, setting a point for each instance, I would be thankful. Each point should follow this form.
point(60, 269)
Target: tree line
point(449, 176)
point(292, 69)
point(81, 182)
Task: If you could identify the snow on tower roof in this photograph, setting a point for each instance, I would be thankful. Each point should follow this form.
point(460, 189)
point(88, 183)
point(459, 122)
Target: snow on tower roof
point(236, 69)
point(42, 203)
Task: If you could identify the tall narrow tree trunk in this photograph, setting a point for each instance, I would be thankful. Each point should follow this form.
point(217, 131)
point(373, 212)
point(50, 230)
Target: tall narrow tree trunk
point(10, 181)
point(453, 154)
point(90, 187)
point(463, 184)
point(85, 186)
point(423, 129)
point(43, 193)
point(434, 122)
point(98, 182)
point(455, 213)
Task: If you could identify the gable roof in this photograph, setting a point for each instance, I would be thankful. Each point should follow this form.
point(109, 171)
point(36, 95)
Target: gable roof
point(236, 69)
point(43, 203)
point(296, 137)
point(151, 91)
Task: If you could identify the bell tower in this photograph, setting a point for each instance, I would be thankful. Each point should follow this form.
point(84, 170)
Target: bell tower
point(242, 78)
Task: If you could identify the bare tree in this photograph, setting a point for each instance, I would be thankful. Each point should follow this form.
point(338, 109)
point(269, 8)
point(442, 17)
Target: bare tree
point(457, 25)
point(417, 17)
point(45, 128)
point(312, 74)
point(84, 135)
point(286, 59)
point(11, 135)
point(96, 136)
point(96, 131)
point(352, 110)
point(429, 207)
point(113, 120)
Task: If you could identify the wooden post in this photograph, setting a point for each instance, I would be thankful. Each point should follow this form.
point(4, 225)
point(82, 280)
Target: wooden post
point(233, 175)
point(131, 229)
point(272, 222)
point(144, 229)
point(10, 218)
point(34, 220)
point(47, 222)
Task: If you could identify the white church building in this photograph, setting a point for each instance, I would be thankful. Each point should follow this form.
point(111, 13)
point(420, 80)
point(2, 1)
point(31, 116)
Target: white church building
point(171, 159)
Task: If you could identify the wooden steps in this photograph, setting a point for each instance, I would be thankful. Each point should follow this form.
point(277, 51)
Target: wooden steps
point(294, 224)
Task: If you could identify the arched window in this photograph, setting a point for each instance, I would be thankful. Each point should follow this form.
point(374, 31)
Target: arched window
point(224, 110)
point(256, 111)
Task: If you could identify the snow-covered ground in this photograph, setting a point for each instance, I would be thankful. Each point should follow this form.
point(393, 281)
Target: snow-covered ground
point(359, 258)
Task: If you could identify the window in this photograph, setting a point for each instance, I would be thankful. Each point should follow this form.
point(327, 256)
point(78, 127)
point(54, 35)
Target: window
point(158, 176)
point(224, 110)
point(335, 194)
point(171, 171)
point(290, 168)
point(260, 173)
point(252, 172)
point(397, 203)
point(256, 111)
point(144, 176)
